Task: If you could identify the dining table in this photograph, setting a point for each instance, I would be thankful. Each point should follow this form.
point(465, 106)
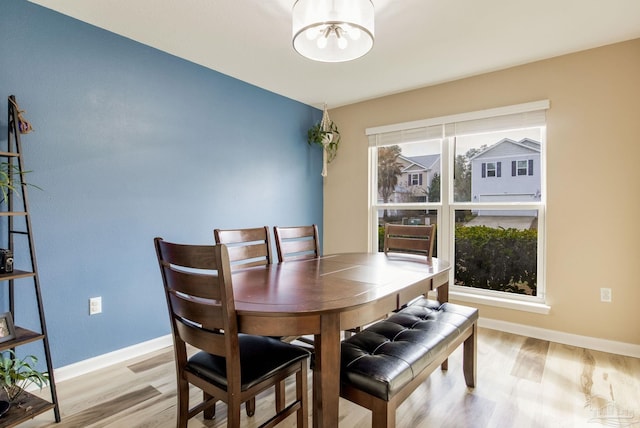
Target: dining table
point(327, 295)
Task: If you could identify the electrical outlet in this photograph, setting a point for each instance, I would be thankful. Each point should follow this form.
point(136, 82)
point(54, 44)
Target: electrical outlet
point(605, 295)
point(95, 305)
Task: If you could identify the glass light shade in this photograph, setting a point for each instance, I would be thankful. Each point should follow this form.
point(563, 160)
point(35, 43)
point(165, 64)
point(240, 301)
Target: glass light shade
point(333, 30)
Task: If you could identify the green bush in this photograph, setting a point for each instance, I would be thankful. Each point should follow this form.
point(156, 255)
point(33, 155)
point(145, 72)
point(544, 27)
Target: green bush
point(496, 259)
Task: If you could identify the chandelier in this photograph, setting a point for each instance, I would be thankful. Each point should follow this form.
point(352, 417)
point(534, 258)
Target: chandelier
point(333, 30)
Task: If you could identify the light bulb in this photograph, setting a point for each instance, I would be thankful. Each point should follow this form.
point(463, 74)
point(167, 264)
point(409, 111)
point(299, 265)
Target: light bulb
point(342, 42)
point(322, 42)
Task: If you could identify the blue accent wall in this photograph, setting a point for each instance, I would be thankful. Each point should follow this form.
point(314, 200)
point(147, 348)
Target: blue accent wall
point(132, 143)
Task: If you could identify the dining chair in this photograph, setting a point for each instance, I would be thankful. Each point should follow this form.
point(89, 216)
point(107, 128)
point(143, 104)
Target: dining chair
point(297, 242)
point(247, 247)
point(228, 366)
point(409, 239)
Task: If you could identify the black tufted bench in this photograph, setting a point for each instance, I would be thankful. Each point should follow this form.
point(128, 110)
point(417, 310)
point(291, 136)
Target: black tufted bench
point(384, 363)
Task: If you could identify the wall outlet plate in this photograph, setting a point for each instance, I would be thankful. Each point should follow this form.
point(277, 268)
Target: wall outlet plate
point(605, 295)
point(95, 305)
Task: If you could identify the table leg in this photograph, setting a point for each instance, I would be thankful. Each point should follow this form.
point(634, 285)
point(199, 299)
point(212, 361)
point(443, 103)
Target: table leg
point(443, 293)
point(326, 374)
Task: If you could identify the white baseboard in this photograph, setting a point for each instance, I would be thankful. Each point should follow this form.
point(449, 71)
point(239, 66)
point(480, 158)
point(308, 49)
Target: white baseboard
point(613, 347)
point(105, 360)
point(140, 349)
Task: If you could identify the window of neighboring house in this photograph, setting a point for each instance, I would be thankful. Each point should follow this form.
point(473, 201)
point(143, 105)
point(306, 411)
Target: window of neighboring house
point(492, 231)
point(522, 167)
point(492, 169)
point(415, 179)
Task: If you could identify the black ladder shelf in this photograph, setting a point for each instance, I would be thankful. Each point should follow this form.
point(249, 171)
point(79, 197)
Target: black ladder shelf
point(29, 405)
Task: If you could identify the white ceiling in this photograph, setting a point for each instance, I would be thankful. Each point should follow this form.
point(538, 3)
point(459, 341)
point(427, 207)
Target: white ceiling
point(418, 42)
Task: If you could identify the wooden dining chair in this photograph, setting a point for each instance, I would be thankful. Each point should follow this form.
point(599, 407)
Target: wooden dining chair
point(247, 247)
point(409, 239)
point(251, 247)
point(297, 242)
point(228, 366)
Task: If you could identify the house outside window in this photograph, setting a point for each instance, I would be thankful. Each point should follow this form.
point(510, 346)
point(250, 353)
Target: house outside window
point(490, 230)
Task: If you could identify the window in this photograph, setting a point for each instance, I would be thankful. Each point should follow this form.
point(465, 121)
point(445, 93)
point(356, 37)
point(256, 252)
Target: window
point(491, 169)
point(415, 179)
point(522, 167)
point(490, 220)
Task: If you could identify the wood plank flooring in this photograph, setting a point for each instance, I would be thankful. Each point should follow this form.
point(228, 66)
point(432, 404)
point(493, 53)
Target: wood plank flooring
point(522, 382)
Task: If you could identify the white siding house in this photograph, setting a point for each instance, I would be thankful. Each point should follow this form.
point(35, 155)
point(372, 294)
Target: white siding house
point(507, 171)
point(417, 173)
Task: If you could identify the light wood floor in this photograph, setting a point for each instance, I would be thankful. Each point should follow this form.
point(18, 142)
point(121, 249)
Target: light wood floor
point(522, 382)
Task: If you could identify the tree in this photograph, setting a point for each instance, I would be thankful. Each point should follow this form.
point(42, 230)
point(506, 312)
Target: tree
point(433, 192)
point(462, 175)
point(388, 171)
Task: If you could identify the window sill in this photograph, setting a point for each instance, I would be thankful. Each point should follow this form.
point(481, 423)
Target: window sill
point(518, 305)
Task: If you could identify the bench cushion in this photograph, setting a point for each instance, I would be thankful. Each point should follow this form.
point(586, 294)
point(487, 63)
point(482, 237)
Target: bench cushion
point(387, 355)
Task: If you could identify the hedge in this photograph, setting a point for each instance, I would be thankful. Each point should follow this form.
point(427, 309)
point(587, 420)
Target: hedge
point(496, 259)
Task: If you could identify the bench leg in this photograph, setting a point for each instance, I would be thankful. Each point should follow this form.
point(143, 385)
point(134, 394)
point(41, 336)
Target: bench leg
point(383, 414)
point(469, 357)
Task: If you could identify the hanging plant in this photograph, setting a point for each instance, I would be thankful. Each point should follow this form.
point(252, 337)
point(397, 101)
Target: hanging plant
point(325, 133)
point(316, 135)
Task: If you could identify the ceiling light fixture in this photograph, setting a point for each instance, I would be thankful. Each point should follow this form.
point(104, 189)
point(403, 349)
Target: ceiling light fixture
point(333, 30)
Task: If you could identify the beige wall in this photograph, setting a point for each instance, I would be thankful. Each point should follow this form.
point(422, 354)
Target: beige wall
point(593, 188)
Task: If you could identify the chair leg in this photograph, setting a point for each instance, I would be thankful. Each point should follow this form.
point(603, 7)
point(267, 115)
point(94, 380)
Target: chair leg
point(302, 396)
point(445, 365)
point(233, 414)
point(280, 396)
point(250, 406)
point(183, 403)
point(209, 412)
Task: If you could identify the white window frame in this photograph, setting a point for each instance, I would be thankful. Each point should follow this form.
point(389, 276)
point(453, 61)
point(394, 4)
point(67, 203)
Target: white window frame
point(444, 129)
point(524, 169)
point(414, 176)
point(492, 170)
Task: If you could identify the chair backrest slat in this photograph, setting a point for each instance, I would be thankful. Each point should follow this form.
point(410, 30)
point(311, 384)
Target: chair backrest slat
point(199, 294)
point(212, 343)
point(409, 239)
point(247, 247)
point(297, 242)
point(210, 316)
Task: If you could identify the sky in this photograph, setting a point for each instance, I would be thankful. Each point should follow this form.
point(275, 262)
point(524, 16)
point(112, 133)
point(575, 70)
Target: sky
point(466, 142)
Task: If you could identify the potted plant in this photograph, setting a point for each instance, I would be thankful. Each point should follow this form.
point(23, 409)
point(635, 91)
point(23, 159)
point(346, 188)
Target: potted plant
point(18, 373)
point(10, 177)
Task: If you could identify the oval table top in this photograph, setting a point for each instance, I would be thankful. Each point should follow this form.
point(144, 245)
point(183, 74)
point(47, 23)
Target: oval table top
point(329, 283)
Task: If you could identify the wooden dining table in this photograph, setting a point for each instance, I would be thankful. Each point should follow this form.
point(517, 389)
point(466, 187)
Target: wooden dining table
point(327, 295)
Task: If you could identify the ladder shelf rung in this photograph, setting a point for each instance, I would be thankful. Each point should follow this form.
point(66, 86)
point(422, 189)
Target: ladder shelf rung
point(16, 274)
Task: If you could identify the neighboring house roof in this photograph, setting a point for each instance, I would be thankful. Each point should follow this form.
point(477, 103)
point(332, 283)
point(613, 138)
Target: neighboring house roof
point(421, 162)
point(525, 143)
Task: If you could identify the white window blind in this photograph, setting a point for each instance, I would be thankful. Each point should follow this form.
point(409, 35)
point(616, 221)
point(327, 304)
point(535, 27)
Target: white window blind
point(496, 119)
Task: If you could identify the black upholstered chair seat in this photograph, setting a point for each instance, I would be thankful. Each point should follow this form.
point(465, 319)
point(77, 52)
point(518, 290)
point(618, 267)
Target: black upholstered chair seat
point(254, 367)
point(386, 356)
